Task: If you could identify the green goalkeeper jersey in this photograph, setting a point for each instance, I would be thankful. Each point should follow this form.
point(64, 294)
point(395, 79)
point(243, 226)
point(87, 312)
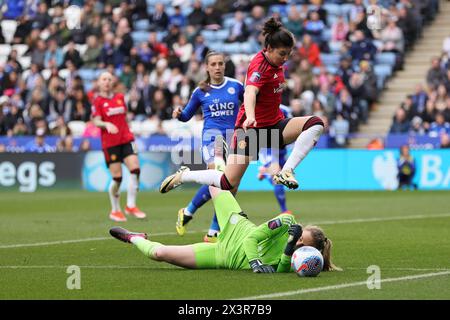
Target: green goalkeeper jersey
point(242, 241)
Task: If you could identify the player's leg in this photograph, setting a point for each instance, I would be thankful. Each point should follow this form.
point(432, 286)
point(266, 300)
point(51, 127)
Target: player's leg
point(305, 132)
point(131, 161)
point(196, 256)
point(278, 189)
point(237, 163)
point(116, 214)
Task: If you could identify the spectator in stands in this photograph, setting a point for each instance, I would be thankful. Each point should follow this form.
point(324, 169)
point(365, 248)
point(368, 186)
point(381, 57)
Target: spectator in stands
point(183, 49)
point(326, 98)
point(297, 108)
point(400, 123)
point(439, 126)
point(258, 16)
point(294, 22)
point(12, 62)
point(38, 53)
point(409, 107)
point(80, 109)
point(445, 141)
point(419, 98)
point(314, 27)
point(85, 145)
point(310, 51)
point(435, 75)
point(53, 55)
point(416, 126)
point(65, 144)
point(339, 130)
point(160, 73)
point(339, 29)
point(42, 19)
point(393, 41)
point(160, 106)
point(72, 55)
point(91, 56)
point(14, 9)
point(177, 18)
point(39, 145)
point(60, 128)
point(213, 18)
point(409, 24)
point(362, 48)
point(370, 81)
point(159, 20)
point(136, 106)
point(429, 114)
point(11, 83)
point(446, 45)
point(197, 17)
point(59, 105)
point(358, 91)
point(239, 31)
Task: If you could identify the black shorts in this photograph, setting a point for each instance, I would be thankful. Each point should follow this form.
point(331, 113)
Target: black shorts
point(249, 143)
point(120, 152)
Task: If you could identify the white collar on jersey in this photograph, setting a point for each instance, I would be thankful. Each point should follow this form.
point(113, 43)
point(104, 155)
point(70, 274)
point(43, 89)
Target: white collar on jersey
point(221, 85)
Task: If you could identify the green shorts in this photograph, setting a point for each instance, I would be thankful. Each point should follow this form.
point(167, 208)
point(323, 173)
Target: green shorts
point(227, 252)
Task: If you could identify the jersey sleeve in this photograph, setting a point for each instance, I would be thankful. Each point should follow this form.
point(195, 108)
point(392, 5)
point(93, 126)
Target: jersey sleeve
point(267, 230)
point(255, 77)
point(191, 107)
point(96, 110)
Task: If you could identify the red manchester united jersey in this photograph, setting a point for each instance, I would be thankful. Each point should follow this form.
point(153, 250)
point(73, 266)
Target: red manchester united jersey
point(270, 81)
point(113, 110)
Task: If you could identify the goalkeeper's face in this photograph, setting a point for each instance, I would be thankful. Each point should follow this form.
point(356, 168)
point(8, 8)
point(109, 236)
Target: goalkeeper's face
point(306, 239)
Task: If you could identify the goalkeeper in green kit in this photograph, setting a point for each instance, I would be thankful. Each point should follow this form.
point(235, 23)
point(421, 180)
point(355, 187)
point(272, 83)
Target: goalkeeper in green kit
point(241, 244)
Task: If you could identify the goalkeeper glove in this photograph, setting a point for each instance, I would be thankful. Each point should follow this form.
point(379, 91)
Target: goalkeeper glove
point(258, 267)
point(295, 232)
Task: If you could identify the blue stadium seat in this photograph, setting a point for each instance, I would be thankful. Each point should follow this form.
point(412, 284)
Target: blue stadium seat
point(335, 46)
point(211, 35)
point(385, 58)
point(332, 9)
point(216, 46)
point(330, 59)
point(142, 25)
point(383, 72)
point(139, 36)
point(326, 34)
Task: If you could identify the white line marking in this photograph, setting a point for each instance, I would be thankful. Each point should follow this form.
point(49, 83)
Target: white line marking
point(342, 286)
point(401, 269)
point(379, 219)
point(419, 216)
point(83, 267)
point(38, 244)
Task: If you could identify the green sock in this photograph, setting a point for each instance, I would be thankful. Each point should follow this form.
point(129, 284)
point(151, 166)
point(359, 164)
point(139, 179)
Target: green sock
point(147, 247)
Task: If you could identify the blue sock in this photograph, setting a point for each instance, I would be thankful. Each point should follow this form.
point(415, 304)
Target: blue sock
point(214, 227)
point(278, 189)
point(201, 197)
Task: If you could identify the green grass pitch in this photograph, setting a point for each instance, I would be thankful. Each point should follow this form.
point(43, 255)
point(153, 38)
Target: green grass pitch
point(406, 234)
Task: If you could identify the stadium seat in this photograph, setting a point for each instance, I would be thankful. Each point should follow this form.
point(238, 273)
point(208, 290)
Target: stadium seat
point(219, 35)
point(335, 46)
point(142, 25)
point(5, 49)
point(46, 73)
point(383, 72)
point(330, 58)
point(87, 74)
point(64, 73)
point(326, 35)
point(139, 36)
point(136, 127)
point(216, 46)
point(77, 128)
point(8, 28)
point(385, 58)
point(81, 48)
point(20, 48)
point(25, 61)
point(332, 9)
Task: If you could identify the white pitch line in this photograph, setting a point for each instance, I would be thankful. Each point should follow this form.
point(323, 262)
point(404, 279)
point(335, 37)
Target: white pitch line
point(342, 286)
point(81, 267)
point(401, 269)
point(419, 216)
point(38, 244)
point(329, 222)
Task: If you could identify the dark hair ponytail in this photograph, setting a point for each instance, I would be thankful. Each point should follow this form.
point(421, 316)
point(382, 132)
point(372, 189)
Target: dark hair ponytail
point(276, 35)
point(204, 84)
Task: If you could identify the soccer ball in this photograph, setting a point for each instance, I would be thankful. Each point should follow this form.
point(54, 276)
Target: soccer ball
point(307, 261)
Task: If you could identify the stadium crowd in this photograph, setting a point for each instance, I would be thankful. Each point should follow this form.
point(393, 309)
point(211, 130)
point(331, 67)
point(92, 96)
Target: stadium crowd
point(426, 111)
point(156, 49)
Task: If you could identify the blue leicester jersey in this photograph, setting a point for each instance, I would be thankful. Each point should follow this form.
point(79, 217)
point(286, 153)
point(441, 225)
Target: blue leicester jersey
point(220, 105)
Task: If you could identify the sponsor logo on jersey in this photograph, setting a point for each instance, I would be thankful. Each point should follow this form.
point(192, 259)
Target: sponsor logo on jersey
point(115, 111)
point(231, 90)
point(242, 144)
point(255, 77)
point(207, 95)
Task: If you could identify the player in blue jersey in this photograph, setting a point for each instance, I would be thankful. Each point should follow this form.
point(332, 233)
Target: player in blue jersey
point(272, 160)
point(220, 98)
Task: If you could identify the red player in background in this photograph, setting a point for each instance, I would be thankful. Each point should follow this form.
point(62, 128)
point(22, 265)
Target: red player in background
point(109, 113)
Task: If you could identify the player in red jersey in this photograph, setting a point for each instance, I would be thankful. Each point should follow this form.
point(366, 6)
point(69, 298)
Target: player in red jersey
point(260, 122)
point(109, 113)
